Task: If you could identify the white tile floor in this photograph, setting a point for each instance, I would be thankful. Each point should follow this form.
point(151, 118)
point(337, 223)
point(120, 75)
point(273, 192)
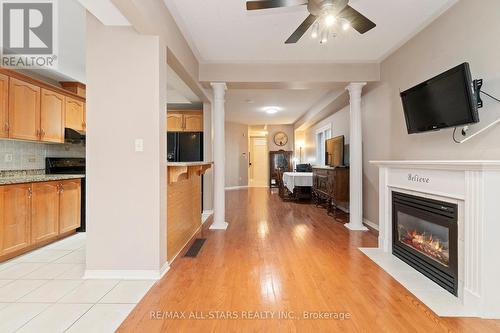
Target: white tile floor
point(43, 291)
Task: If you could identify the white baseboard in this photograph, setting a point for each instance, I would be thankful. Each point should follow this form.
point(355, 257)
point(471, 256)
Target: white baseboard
point(205, 215)
point(370, 224)
point(127, 274)
point(231, 188)
point(345, 210)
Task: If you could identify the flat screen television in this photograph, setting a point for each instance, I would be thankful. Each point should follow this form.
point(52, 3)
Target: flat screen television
point(447, 100)
point(334, 151)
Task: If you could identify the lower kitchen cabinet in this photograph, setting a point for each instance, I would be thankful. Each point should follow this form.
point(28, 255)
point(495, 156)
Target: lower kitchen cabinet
point(32, 215)
point(15, 217)
point(44, 211)
point(70, 202)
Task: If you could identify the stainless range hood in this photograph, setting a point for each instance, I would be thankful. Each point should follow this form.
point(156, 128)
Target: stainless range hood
point(73, 136)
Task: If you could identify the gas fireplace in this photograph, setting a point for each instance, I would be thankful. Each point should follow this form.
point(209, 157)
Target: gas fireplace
point(425, 237)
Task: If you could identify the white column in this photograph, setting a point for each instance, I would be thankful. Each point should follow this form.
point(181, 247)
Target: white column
point(356, 159)
point(219, 152)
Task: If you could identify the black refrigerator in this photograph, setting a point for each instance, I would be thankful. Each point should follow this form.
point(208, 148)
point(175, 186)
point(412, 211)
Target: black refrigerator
point(184, 146)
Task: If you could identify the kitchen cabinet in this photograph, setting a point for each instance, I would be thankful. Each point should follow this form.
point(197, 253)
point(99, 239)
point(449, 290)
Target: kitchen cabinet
point(75, 87)
point(69, 202)
point(44, 211)
point(32, 215)
point(185, 121)
point(75, 114)
point(24, 110)
point(4, 106)
point(34, 110)
point(175, 122)
point(15, 217)
point(52, 116)
point(193, 122)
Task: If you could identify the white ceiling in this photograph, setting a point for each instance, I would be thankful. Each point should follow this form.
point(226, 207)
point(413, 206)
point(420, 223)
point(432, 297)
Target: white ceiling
point(292, 105)
point(223, 31)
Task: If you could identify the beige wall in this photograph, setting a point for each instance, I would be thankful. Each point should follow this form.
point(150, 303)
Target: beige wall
point(126, 190)
point(273, 129)
point(236, 154)
point(448, 41)
point(339, 124)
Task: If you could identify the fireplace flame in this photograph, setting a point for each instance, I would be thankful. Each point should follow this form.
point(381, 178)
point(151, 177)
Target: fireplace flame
point(427, 244)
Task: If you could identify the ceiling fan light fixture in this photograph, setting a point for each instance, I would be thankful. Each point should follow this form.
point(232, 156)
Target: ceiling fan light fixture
point(324, 37)
point(346, 25)
point(330, 20)
point(315, 30)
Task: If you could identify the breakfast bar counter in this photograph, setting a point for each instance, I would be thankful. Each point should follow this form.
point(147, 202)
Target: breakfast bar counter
point(183, 203)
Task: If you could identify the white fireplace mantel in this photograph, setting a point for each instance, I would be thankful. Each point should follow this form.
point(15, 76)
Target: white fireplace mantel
point(475, 187)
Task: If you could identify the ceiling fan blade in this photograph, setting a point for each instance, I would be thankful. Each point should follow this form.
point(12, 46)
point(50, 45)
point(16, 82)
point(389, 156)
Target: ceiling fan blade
point(301, 30)
point(265, 4)
point(358, 21)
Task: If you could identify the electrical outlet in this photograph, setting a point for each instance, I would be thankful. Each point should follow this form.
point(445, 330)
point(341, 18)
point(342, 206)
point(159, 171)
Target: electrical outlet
point(7, 157)
point(32, 159)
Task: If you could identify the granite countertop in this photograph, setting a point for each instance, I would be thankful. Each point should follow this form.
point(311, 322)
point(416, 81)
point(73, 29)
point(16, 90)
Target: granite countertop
point(184, 164)
point(21, 179)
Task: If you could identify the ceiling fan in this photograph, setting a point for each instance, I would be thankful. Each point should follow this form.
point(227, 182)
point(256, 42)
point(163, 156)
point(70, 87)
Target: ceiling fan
point(323, 15)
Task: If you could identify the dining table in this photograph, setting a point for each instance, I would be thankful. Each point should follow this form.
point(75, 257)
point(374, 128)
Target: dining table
point(291, 180)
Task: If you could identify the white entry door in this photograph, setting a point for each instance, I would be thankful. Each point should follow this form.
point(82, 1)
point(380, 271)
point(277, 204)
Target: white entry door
point(258, 172)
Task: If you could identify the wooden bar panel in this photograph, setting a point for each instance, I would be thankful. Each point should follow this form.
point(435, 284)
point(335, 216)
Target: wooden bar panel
point(183, 214)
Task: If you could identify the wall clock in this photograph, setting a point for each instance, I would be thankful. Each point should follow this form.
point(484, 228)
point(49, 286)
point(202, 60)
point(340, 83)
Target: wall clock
point(280, 139)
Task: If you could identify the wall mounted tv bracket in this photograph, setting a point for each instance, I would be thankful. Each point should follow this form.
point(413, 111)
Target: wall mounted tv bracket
point(477, 85)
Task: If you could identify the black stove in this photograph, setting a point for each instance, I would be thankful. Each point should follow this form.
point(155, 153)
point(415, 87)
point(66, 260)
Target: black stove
point(69, 166)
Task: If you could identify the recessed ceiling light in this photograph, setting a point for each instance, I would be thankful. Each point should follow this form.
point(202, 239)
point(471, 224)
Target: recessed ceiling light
point(271, 109)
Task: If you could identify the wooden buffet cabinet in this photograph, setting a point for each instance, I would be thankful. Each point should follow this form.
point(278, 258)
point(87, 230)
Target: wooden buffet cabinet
point(35, 214)
point(36, 111)
point(331, 186)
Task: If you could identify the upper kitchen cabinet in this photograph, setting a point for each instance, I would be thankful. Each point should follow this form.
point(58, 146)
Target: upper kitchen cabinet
point(193, 122)
point(75, 114)
point(52, 116)
point(24, 110)
point(4, 106)
point(175, 122)
point(185, 121)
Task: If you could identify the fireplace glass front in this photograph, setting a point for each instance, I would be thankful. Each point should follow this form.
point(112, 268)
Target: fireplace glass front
point(425, 237)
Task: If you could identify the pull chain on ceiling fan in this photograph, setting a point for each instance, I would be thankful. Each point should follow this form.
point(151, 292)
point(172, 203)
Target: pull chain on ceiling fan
point(324, 15)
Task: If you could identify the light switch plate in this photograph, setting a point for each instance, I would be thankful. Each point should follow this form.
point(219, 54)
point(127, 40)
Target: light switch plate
point(7, 157)
point(139, 145)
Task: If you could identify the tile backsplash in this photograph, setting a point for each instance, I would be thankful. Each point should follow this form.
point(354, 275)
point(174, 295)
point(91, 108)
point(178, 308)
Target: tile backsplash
point(21, 155)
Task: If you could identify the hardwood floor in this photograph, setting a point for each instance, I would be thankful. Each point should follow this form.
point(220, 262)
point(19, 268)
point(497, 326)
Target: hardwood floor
point(284, 256)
